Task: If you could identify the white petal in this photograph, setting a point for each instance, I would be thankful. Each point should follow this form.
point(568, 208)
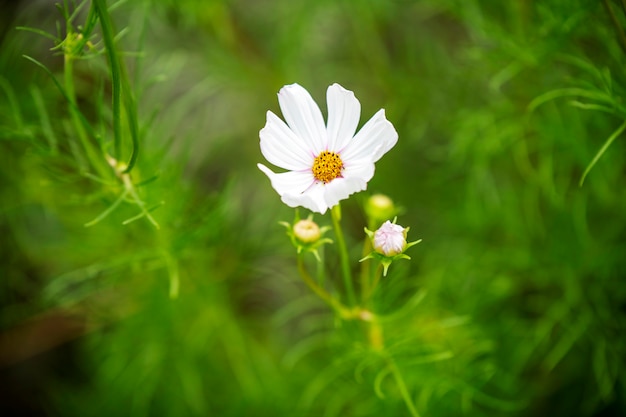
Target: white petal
point(340, 188)
point(362, 169)
point(292, 182)
point(353, 179)
point(344, 111)
point(312, 198)
point(303, 116)
point(374, 139)
point(281, 147)
point(298, 189)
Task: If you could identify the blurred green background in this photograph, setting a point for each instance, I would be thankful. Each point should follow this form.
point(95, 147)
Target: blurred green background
point(500, 107)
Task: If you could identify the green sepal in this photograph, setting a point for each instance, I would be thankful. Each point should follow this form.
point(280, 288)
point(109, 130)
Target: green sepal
point(386, 261)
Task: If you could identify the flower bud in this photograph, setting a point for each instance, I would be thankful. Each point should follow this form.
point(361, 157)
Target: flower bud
point(379, 207)
point(307, 231)
point(390, 239)
point(389, 243)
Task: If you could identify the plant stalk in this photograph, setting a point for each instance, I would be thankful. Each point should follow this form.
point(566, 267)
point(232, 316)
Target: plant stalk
point(343, 311)
point(343, 254)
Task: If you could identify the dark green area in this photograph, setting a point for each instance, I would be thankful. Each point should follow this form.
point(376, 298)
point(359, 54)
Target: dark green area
point(514, 304)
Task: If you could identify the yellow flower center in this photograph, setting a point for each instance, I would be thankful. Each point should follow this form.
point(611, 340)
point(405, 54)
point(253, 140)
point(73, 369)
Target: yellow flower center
point(327, 166)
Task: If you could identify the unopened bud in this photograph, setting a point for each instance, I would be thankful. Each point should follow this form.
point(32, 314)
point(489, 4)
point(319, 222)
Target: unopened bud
point(307, 231)
point(379, 207)
point(390, 239)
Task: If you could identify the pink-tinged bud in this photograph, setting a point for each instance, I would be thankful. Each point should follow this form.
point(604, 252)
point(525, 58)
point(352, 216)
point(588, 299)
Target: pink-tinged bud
point(390, 239)
point(307, 231)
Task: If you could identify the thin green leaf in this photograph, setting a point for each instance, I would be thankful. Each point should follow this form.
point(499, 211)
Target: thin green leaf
point(109, 210)
point(305, 347)
point(323, 380)
point(569, 92)
point(46, 127)
point(38, 32)
point(603, 149)
point(83, 120)
point(117, 4)
point(378, 381)
point(146, 213)
point(364, 364)
point(147, 181)
point(566, 342)
point(407, 308)
point(435, 357)
point(76, 11)
point(591, 106)
point(8, 91)
point(97, 179)
point(603, 77)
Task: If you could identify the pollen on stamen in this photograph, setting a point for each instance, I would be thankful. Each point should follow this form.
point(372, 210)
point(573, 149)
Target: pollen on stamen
point(327, 166)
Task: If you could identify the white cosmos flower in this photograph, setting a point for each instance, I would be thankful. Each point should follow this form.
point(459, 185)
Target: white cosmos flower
point(324, 163)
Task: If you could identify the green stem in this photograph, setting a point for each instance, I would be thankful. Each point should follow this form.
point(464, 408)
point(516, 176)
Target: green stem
point(321, 292)
point(365, 271)
point(321, 271)
point(128, 184)
point(68, 72)
point(343, 254)
point(376, 280)
point(375, 334)
point(116, 85)
point(121, 88)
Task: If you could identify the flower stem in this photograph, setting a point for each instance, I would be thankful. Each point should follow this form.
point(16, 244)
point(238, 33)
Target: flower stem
point(343, 254)
point(90, 152)
point(376, 280)
point(365, 271)
point(130, 187)
point(121, 91)
point(375, 335)
point(321, 292)
point(107, 32)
